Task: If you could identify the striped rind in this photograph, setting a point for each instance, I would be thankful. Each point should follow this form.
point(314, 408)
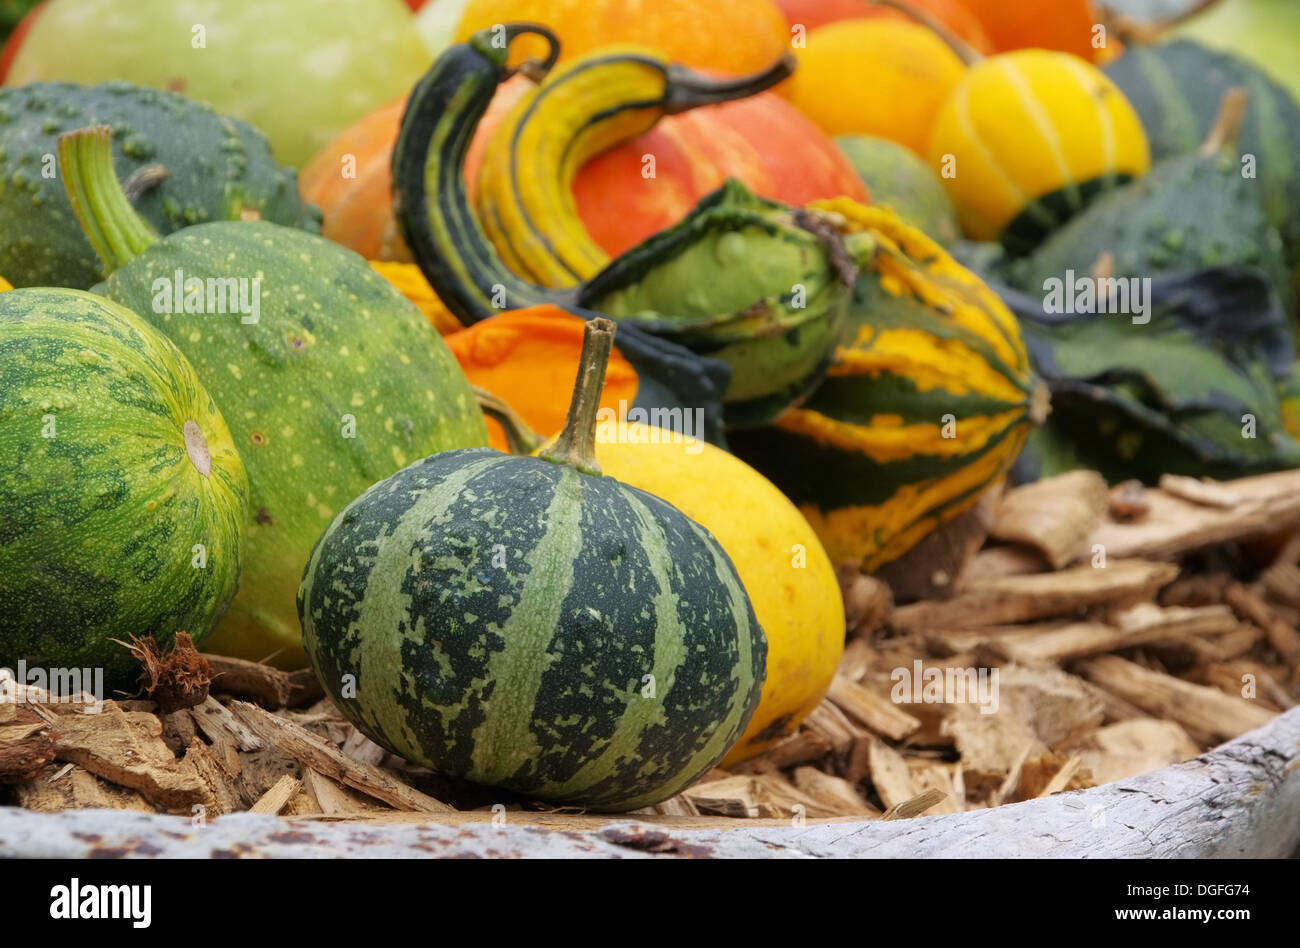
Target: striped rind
point(499, 618)
point(339, 383)
point(102, 505)
point(927, 404)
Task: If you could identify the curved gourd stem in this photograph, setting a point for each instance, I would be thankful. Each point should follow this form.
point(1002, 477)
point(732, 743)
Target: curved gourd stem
point(576, 445)
point(687, 89)
point(117, 232)
point(1227, 122)
point(520, 438)
point(967, 53)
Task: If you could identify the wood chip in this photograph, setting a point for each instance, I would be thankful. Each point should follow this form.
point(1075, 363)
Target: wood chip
point(1205, 492)
point(876, 713)
point(275, 799)
point(837, 794)
point(268, 686)
point(216, 774)
point(319, 755)
point(1055, 515)
point(890, 775)
point(334, 799)
point(1201, 710)
point(915, 806)
point(76, 789)
point(221, 727)
point(127, 748)
point(1018, 598)
point(1269, 503)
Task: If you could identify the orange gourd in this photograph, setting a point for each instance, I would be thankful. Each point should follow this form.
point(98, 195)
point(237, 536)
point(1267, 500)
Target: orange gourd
point(527, 358)
point(730, 36)
point(1065, 25)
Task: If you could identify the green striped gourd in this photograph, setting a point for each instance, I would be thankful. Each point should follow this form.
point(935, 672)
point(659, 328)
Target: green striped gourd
point(330, 380)
point(123, 496)
point(752, 283)
point(527, 623)
point(186, 163)
point(926, 406)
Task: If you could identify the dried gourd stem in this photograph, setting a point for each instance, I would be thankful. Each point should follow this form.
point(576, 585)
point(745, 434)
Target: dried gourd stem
point(967, 53)
point(576, 445)
point(1227, 124)
point(519, 437)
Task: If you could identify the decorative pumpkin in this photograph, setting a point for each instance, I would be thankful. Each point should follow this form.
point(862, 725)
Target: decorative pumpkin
point(527, 357)
point(528, 623)
point(925, 407)
point(729, 36)
point(1026, 139)
point(124, 498)
point(951, 13)
point(328, 378)
point(762, 141)
point(779, 559)
point(1064, 25)
point(886, 78)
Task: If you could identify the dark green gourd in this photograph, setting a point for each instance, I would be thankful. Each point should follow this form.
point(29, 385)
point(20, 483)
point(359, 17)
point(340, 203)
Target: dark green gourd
point(329, 378)
point(184, 162)
point(530, 624)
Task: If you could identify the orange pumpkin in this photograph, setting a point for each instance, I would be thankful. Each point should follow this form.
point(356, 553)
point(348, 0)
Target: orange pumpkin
point(350, 179)
point(731, 36)
point(886, 78)
point(951, 13)
point(763, 141)
point(547, 340)
point(1065, 25)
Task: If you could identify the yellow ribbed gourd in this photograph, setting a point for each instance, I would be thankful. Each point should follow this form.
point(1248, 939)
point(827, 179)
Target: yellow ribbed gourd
point(1026, 138)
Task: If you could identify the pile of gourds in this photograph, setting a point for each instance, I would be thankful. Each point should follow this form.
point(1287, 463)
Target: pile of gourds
point(816, 269)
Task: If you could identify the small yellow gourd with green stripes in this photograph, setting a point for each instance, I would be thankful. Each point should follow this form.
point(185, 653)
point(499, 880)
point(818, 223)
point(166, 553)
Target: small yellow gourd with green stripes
point(1027, 138)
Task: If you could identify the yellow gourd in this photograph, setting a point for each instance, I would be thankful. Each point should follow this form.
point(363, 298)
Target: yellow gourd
point(5, 285)
point(1025, 138)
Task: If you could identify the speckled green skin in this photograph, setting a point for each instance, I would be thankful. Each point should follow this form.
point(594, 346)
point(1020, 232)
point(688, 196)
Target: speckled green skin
point(1188, 213)
point(1175, 88)
point(219, 168)
point(102, 504)
point(499, 616)
point(334, 341)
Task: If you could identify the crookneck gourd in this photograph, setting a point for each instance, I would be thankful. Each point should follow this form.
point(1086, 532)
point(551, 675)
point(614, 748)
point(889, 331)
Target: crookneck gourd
point(752, 283)
point(328, 377)
point(528, 623)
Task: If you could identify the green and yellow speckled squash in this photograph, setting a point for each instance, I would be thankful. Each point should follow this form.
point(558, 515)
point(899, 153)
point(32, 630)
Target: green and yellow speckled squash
point(926, 405)
point(329, 379)
point(122, 497)
point(530, 624)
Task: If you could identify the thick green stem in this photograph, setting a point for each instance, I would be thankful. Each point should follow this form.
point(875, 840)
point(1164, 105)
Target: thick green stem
point(576, 445)
point(519, 437)
point(116, 231)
